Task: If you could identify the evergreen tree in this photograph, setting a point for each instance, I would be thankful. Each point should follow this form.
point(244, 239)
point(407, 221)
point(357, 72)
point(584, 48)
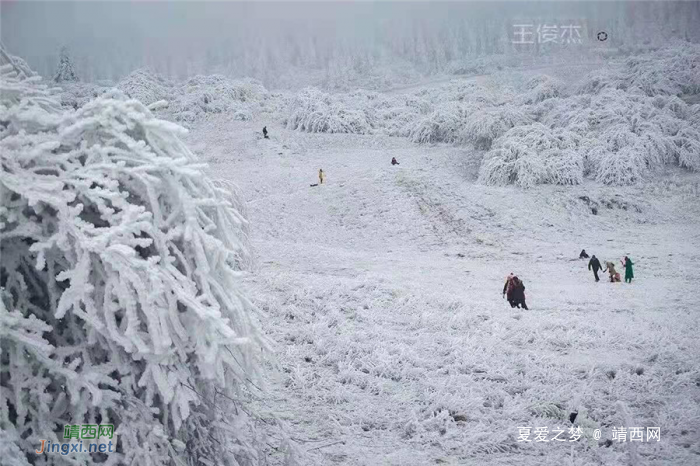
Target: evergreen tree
point(65, 71)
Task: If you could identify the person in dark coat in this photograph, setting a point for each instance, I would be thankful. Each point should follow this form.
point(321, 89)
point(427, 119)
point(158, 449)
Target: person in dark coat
point(393, 161)
point(265, 132)
point(514, 291)
point(507, 286)
point(594, 264)
point(517, 296)
point(583, 254)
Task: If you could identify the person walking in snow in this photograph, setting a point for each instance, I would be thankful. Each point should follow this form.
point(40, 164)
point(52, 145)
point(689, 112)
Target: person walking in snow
point(629, 273)
point(507, 286)
point(610, 268)
point(517, 293)
point(594, 264)
point(393, 161)
point(583, 254)
point(321, 175)
point(265, 132)
point(514, 291)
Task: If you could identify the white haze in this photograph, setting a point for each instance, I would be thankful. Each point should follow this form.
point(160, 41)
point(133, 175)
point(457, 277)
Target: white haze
point(268, 40)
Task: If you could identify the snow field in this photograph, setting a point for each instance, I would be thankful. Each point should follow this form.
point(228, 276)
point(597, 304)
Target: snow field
point(382, 291)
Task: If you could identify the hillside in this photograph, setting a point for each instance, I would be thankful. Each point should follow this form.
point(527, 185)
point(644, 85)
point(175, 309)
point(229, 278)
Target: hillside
point(382, 290)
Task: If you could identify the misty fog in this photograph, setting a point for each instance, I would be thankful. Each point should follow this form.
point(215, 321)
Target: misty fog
point(269, 40)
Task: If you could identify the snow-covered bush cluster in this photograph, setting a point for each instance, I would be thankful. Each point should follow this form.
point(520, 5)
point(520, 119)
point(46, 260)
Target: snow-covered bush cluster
point(670, 71)
point(204, 95)
point(623, 138)
point(534, 154)
point(425, 117)
point(442, 125)
point(314, 111)
point(76, 94)
point(194, 99)
point(118, 286)
point(486, 125)
point(617, 126)
point(542, 88)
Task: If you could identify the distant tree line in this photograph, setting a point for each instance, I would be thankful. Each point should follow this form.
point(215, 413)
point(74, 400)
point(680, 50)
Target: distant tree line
point(425, 37)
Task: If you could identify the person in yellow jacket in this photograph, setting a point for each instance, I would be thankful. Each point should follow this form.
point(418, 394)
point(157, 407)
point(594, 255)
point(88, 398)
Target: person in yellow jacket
point(321, 175)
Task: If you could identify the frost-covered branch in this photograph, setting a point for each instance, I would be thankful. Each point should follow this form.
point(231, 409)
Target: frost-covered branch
point(120, 273)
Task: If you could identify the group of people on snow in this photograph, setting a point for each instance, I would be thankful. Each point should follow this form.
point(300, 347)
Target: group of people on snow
point(514, 288)
point(594, 265)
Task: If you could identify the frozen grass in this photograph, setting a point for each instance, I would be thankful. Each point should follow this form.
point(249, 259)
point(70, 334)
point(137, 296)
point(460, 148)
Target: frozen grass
point(382, 290)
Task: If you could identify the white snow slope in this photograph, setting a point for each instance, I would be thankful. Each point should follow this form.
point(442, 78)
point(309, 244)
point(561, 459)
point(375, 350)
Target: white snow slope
point(382, 290)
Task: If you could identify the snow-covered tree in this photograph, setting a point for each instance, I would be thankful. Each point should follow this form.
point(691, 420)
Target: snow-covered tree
point(65, 71)
point(119, 281)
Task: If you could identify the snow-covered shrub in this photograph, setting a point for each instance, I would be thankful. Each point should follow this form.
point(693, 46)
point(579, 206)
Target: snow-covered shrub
point(600, 80)
point(624, 166)
point(216, 92)
point(118, 286)
point(195, 98)
point(483, 126)
point(670, 71)
point(443, 125)
point(145, 87)
point(542, 88)
point(687, 143)
point(75, 95)
point(533, 154)
point(397, 121)
point(314, 111)
point(626, 135)
point(417, 103)
point(676, 106)
point(619, 155)
point(573, 113)
point(648, 133)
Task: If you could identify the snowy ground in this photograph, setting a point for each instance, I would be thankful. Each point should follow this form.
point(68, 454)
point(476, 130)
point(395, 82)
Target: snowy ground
point(382, 293)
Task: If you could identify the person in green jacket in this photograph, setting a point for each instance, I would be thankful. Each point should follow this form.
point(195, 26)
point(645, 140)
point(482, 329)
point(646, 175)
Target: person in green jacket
point(629, 273)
